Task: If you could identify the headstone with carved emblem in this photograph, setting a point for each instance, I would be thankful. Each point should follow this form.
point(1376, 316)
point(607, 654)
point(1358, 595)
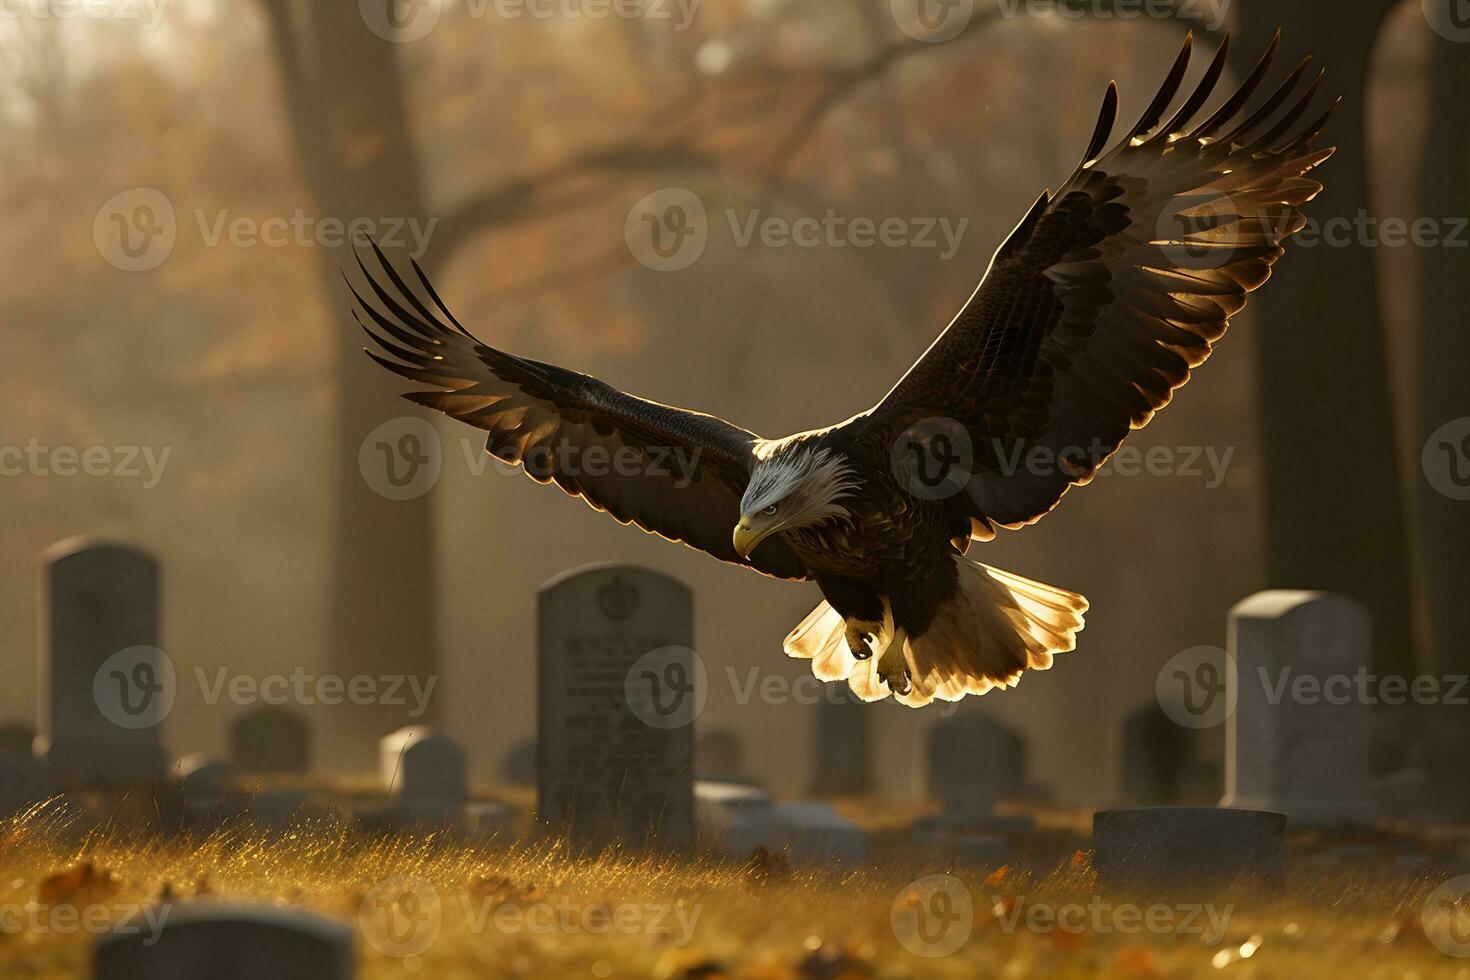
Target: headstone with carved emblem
point(618, 690)
point(105, 686)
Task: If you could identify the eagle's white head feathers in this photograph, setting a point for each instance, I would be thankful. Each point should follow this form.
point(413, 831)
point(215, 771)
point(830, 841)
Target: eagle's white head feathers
point(793, 486)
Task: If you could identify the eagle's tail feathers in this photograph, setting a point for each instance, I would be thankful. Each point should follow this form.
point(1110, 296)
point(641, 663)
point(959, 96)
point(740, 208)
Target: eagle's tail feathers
point(997, 626)
point(820, 639)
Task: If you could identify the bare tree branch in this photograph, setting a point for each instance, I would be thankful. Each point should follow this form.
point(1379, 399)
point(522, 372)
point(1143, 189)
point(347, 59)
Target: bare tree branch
point(528, 196)
point(845, 83)
point(535, 195)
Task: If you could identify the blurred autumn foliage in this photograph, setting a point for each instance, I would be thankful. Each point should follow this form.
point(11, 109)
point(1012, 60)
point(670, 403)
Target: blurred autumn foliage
point(530, 140)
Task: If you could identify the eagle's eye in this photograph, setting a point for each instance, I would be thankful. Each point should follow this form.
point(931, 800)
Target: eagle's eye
point(770, 510)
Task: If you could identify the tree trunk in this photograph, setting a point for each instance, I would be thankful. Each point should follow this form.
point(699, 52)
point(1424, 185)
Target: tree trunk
point(345, 105)
point(1334, 504)
point(1443, 514)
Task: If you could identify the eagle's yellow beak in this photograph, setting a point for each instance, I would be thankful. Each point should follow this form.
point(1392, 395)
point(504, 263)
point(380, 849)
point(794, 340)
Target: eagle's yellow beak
point(747, 537)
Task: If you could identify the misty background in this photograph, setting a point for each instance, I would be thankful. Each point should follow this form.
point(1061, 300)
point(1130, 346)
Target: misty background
point(506, 153)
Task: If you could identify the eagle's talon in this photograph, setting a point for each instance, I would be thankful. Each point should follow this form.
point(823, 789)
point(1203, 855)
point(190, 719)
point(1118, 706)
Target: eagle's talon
point(861, 640)
point(893, 669)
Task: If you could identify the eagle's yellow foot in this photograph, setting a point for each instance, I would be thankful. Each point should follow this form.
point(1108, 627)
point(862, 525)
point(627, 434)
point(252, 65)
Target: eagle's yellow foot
point(894, 669)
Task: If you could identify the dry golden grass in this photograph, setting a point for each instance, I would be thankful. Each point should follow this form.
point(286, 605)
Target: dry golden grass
point(761, 920)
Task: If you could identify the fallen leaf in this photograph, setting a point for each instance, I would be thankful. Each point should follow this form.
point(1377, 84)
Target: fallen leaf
point(767, 864)
point(1137, 963)
point(81, 883)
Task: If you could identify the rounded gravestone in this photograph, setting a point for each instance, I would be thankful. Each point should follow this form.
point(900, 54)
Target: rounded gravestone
point(1299, 739)
point(105, 686)
point(227, 942)
point(841, 764)
point(518, 765)
point(974, 761)
point(1183, 848)
point(25, 780)
point(618, 688)
point(718, 753)
point(422, 769)
point(270, 740)
point(17, 738)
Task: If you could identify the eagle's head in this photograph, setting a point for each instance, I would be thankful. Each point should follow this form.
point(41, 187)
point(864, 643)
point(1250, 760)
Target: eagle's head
point(793, 485)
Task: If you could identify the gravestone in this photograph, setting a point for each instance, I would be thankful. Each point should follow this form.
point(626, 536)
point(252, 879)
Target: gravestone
point(18, 738)
point(1298, 740)
point(967, 848)
point(226, 942)
point(840, 765)
point(1195, 851)
point(424, 771)
point(718, 755)
point(200, 775)
point(25, 780)
point(518, 765)
point(716, 802)
point(618, 688)
point(200, 795)
point(1442, 753)
point(1164, 762)
point(806, 832)
point(1156, 752)
point(271, 740)
point(1432, 783)
point(974, 761)
point(278, 808)
point(105, 687)
point(821, 835)
point(484, 820)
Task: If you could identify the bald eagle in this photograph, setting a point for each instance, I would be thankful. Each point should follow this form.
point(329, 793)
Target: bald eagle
point(1094, 310)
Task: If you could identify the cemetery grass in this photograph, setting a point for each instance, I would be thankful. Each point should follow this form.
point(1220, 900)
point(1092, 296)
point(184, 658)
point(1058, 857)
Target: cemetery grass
point(761, 919)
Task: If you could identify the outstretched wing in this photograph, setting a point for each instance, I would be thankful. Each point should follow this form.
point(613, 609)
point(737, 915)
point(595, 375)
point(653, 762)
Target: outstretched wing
point(1109, 293)
point(672, 472)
